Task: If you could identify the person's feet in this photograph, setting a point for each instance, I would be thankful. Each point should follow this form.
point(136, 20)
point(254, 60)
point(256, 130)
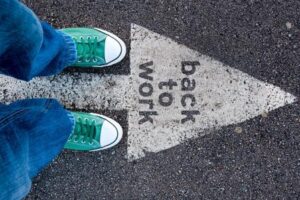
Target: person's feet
point(93, 132)
point(96, 47)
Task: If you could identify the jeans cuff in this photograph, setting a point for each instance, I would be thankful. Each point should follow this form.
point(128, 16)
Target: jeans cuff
point(72, 119)
point(70, 49)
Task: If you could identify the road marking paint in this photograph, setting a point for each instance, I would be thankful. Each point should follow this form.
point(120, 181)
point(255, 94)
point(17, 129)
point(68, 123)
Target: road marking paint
point(82, 90)
point(191, 94)
point(172, 94)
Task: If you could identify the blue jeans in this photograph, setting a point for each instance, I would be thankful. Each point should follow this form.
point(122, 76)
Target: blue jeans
point(32, 131)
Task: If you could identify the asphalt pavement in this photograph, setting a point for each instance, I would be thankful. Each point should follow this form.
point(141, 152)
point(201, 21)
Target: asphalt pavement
point(255, 159)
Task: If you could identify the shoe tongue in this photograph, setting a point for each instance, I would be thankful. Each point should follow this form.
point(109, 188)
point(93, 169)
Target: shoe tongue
point(99, 49)
point(98, 123)
point(98, 127)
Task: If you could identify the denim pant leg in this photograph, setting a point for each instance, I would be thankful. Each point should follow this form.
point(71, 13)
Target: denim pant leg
point(32, 133)
point(28, 47)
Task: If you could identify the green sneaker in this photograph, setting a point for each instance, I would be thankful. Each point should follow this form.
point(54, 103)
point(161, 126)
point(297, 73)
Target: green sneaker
point(96, 47)
point(93, 132)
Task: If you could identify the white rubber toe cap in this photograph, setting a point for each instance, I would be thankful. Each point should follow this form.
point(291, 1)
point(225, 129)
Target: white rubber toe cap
point(111, 133)
point(113, 49)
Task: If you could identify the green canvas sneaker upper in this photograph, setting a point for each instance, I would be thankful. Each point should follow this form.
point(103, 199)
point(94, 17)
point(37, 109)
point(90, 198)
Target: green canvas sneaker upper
point(90, 45)
point(87, 132)
point(96, 47)
point(93, 132)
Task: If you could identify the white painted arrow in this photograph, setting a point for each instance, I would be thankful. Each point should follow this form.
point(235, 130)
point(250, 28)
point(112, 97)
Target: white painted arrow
point(184, 95)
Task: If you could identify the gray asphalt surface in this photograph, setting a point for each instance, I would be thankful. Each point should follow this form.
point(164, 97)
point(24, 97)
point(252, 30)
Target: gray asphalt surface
point(259, 37)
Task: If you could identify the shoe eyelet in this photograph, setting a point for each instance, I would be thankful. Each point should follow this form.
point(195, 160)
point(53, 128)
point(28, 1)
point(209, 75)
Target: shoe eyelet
point(83, 141)
point(89, 37)
point(91, 143)
point(87, 60)
point(95, 60)
point(81, 38)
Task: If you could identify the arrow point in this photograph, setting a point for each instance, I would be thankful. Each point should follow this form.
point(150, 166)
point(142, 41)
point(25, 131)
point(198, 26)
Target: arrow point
point(209, 96)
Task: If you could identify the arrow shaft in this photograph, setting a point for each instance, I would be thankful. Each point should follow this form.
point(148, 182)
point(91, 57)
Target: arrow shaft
point(73, 90)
